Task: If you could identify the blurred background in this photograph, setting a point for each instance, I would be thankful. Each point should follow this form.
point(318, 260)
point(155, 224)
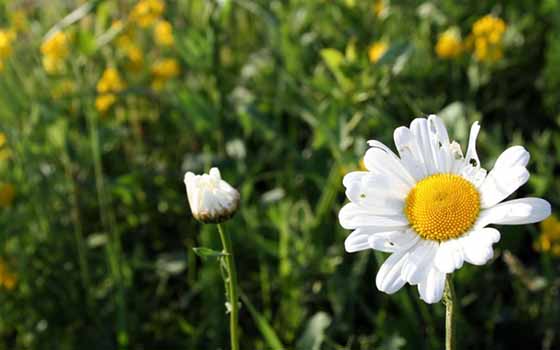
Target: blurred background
point(105, 104)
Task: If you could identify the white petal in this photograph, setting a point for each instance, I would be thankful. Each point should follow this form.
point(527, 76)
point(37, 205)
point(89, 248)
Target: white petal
point(475, 175)
point(440, 144)
point(382, 160)
point(419, 261)
point(359, 239)
point(477, 245)
point(500, 183)
point(391, 242)
point(472, 157)
point(419, 128)
point(389, 279)
point(511, 157)
point(410, 153)
point(515, 212)
point(215, 173)
point(449, 256)
point(431, 288)
point(375, 192)
point(352, 216)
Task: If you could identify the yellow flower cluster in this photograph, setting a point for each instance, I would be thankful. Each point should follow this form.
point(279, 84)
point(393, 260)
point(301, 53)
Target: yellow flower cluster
point(7, 194)
point(449, 44)
point(549, 240)
point(379, 8)
point(133, 53)
point(163, 70)
point(8, 280)
point(377, 50)
point(486, 38)
point(5, 152)
point(163, 33)
point(55, 50)
point(146, 12)
point(6, 39)
point(108, 85)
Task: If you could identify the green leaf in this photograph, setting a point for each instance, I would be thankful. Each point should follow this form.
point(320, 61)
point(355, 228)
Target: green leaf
point(333, 58)
point(314, 334)
point(264, 327)
point(204, 252)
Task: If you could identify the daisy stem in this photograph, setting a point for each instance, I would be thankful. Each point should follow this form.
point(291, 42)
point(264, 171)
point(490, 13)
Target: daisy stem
point(231, 287)
point(449, 301)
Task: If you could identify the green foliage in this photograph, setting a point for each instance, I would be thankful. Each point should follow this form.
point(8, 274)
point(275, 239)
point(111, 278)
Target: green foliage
point(281, 96)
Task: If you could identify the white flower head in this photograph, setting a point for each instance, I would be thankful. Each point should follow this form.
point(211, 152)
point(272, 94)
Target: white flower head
point(211, 199)
point(429, 206)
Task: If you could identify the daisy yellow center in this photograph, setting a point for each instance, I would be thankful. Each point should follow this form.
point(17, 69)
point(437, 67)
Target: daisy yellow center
point(442, 207)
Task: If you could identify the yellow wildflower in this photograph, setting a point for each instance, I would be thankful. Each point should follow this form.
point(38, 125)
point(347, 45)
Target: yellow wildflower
point(135, 58)
point(377, 50)
point(7, 194)
point(549, 240)
point(486, 38)
point(362, 165)
point(163, 33)
point(164, 70)
point(449, 44)
point(108, 85)
point(55, 50)
point(104, 102)
point(8, 280)
point(6, 39)
point(146, 12)
point(379, 8)
point(5, 152)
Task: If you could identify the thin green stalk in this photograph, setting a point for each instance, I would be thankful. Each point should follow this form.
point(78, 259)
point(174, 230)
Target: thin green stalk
point(113, 246)
point(232, 287)
point(78, 230)
point(449, 301)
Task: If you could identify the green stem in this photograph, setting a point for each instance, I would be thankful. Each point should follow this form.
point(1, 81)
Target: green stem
point(113, 248)
point(449, 301)
point(232, 287)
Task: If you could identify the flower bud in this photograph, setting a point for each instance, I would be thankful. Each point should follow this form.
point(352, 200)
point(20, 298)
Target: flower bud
point(211, 199)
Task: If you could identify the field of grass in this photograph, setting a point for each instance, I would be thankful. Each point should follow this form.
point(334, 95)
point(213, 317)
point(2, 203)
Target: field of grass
point(104, 105)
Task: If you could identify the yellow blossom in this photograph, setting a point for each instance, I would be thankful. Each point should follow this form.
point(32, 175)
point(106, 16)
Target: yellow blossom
point(7, 194)
point(5, 152)
point(146, 12)
point(104, 102)
point(8, 280)
point(486, 38)
point(379, 8)
point(55, 50)
point(163, 33)
point(449, 44)
point(135, 57)
point(108, 85)
point(6, 39)
point(164, 70)
point(549, 239)
point(362, 165)
point(377, 50)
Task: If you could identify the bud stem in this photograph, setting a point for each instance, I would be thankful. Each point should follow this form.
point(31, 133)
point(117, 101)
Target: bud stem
point(231, 284)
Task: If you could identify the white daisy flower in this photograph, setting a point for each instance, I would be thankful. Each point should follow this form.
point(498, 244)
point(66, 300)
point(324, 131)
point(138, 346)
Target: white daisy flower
point(211, 199)
point(430, 206)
